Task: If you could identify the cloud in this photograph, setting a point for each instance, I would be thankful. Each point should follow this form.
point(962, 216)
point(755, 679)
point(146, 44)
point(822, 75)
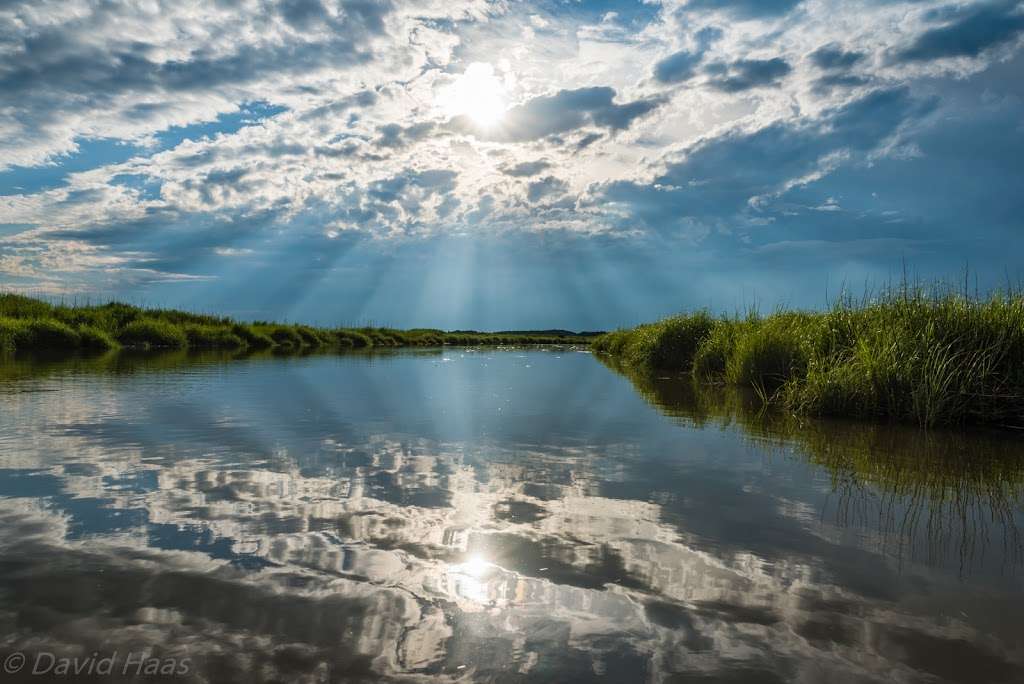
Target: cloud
point(128, 70)
point(746, 74)
point(587, 140)
point(396, 135)
point(727, 176)
point(302, 14)
point(527, 168)
point(562, 112)
point(972, 30)
point(546, 187)
point(833, 57)
point(430, 181)
point(335, 107)
point(682, 65)
point(827, 83)
point(677, 67)
point(745, 9)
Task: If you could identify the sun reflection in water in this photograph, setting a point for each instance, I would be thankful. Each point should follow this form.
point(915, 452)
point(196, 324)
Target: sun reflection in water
point(470, 578)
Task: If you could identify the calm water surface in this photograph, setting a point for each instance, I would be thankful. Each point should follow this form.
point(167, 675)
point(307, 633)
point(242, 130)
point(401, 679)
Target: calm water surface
point(502, 516)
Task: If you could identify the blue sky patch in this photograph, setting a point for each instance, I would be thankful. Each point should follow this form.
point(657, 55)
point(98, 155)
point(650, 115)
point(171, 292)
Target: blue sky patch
point(248, 114)
point(91, 154)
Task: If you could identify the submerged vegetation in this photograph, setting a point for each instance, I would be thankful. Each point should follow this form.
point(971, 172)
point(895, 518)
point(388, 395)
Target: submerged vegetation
point(33, 325)
point(931, 357)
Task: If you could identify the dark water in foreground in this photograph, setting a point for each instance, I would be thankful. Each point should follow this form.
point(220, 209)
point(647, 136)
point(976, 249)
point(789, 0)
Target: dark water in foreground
point(489, 516)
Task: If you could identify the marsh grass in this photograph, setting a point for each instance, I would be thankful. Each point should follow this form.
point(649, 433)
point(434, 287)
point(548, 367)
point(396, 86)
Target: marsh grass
point(926, 356)
point(93, 339)
point(212, 337)
point(283, 337)
point(668, 345)
point(251, 338)
point(32, 325)
point(153, 334)
point(353, 339)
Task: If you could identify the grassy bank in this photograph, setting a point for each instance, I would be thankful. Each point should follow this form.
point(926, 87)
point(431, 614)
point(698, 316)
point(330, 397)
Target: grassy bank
point(909, 355)
point(32, 325)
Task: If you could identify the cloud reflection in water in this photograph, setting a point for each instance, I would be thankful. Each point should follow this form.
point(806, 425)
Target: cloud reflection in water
point(501, 516)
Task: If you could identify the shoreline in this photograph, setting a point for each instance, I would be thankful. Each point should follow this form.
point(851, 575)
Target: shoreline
point(32, 325)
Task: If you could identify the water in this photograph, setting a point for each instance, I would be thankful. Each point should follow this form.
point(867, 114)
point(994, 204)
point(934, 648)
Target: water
point(489, 516)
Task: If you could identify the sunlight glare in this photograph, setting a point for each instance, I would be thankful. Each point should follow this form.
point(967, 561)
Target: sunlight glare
point(469, 577)
point(478, 94)
point(475, 566)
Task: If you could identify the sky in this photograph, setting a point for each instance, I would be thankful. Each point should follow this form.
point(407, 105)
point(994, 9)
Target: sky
point(501, 164)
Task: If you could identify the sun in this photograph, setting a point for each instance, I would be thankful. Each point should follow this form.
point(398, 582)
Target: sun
point(478, 94)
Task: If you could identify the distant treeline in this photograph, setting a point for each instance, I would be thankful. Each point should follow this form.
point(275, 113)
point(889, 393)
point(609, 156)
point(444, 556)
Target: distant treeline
point(928, 356)
point(28, 324)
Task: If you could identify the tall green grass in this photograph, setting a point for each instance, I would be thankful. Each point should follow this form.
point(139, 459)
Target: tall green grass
point(925, 356)
point(153, 333)
point(667, 345)
point(32, 325)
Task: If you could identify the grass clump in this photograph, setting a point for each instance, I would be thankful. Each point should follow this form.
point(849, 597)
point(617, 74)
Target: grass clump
point(314, 337)
point(212, 337)
point(352, 339)
point(283, 337)
point(610, 343)
point(12, 331)
point(47, 334)
point(668, 345)
point(94, 339)
point(153, 334)
point(19, 307)
point(711, 357)
point(766, 354)
point(382, 337)
point(252, 338)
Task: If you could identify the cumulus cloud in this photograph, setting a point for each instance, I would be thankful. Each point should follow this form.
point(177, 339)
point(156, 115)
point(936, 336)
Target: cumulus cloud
point(732, 175)
point(966, 31)
point(564, 111)
point(546, 187)
point(834, 57)
point(678, 66)
point(396, 135)
point(527, 168)
point(120, 70)
point(746, 9)
point(746, 74)
point(682, 65)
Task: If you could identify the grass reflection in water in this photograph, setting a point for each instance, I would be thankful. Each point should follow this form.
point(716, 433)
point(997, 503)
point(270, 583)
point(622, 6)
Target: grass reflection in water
point(932, 495)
